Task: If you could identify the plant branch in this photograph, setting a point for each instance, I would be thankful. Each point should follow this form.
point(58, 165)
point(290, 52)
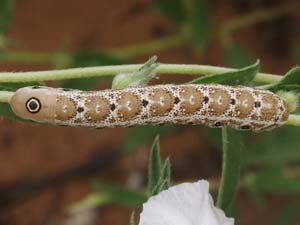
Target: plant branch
point(99, 71)
point(5, 96)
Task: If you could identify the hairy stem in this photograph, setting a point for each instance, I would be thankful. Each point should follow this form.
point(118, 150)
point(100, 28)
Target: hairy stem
point(5, 96)
point(98, 71)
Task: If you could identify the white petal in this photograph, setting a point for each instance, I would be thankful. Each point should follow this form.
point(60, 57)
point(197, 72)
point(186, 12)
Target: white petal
point(183, 204)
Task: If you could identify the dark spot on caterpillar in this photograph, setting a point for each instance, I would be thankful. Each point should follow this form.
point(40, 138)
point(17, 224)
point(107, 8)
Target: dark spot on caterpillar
point(80, 109)
point(161, 124)
point(257, 104)
point(112, 107)
point(218, 124)
point(99, 128)
point(33, 105)
point(36, 87)
point(66, 89)
point(176, 100)
point(190, 123)
point(276, 119)
point(245, 127)
point(145, 102)
point(232, 101)
point(281, 108)
point(206, 99)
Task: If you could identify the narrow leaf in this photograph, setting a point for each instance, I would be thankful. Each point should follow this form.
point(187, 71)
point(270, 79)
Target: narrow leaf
point(131, 222)
point(239, 77)
point(291, 81)
point(232, 143)
point(166, 172)
point(138, 78)
point(154, 167)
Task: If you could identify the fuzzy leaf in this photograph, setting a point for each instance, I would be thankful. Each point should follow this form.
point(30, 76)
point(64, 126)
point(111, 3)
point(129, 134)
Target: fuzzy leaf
point(154, 167)
point(138, 78)
point(290, 82)
point(131, 222)
point(239, 77)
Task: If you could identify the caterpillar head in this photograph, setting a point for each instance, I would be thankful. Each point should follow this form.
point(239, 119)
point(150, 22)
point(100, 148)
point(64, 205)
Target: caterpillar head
point(34, 103)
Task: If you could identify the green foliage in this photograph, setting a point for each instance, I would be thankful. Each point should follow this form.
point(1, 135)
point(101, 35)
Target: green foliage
point(6, 11)
point(154, 167)
point(159, 175)
point(237, 57)
point(232, 144)
point(273, 180)
point(197, 24)
point(164, 180)
point(173, 9)
point(290, 82)
point(276, 148)
point(239, 77)
point(137, 78)
point(16, 86)
point(121, 195)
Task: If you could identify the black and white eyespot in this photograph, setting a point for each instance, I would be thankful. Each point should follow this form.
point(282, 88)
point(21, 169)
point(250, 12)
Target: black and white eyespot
point(33, 105)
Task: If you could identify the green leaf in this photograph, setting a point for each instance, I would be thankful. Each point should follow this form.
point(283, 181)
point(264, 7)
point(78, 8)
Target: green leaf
point(6, 10)
point(287, 215)
point(291, 81)
point(164, 178)
point(232, 144)
point(166, 172)
point(198, 25)
point(173, 9)
point(237, 57)
point(120, 195)
point(239, 77)
point(137, 78)
point(154, 167)
point(273, 180)
point(131, 222)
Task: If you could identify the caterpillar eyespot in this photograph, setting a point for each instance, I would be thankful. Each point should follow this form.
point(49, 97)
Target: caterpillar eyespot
point(33, 105)
point(243, 108)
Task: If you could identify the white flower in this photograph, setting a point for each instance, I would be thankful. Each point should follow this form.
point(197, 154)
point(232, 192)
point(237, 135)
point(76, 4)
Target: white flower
point(183, 204)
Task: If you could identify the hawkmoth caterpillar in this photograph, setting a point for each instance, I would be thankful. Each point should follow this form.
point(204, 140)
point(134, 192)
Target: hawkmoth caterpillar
point(214, 105)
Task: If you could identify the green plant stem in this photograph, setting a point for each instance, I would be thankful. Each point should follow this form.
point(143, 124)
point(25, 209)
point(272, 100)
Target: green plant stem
point(294, 120)
point(98, 71)
point(255, 17)
point(5, 96)
point(231, 140)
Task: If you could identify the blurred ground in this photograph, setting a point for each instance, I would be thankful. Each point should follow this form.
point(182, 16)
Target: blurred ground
point(30, 153)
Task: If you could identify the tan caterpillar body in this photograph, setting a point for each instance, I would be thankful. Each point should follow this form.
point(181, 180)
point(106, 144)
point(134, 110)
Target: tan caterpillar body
point(214, 105)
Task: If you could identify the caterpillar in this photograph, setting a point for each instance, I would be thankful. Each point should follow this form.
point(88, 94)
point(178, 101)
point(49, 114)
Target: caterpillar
point(214, 105)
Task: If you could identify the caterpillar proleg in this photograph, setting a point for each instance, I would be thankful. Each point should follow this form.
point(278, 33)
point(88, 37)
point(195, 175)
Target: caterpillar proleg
point(214, 105)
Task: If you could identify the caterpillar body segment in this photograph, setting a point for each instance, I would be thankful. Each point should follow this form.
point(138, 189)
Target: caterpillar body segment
point(213, 105)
